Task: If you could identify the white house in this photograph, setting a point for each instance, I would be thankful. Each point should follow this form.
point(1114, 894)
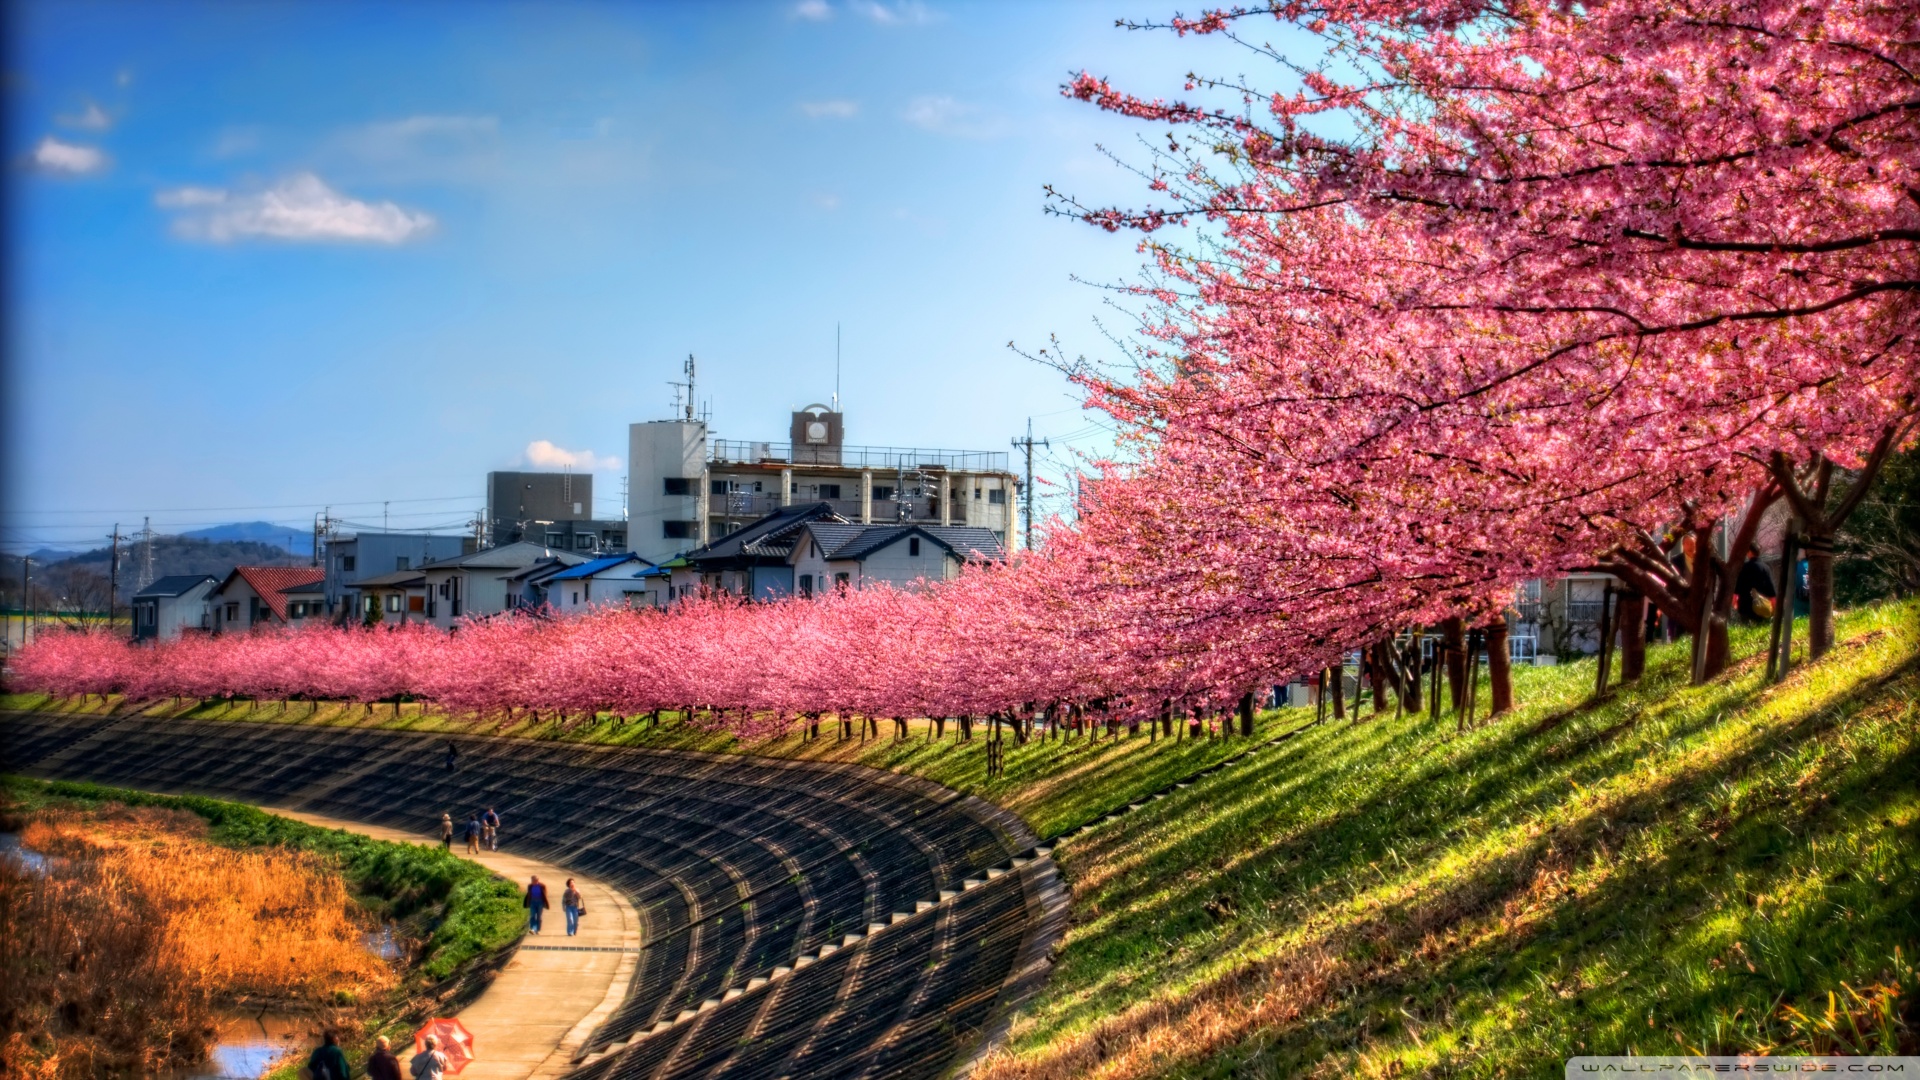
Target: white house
point(613, 580)
point(257, 596)
point(828, 554)
point(485, 582)
point(171, 606)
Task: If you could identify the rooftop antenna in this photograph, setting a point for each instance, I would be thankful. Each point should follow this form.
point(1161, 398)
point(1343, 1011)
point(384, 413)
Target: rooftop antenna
point(836, 367)
point(683, 391)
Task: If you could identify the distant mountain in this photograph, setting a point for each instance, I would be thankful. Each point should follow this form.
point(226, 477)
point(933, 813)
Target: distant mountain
point(297, 541)
point(87, 572)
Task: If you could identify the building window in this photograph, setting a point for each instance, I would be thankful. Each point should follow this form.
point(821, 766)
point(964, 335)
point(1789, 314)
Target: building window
point(676, 530)
point(346, 563)
point(721, 487)
point(913, 546)
point(806, 585)
point(678, 485)
point(556, 540)
point(401, 562)
point(576, 598)
point(233, 612)
point(618, 540)
point(393, 602)
point(829, 491)
point(576, 509)
point(583, 543)
point(882, 493)
point(998, 496)
point(842, 579)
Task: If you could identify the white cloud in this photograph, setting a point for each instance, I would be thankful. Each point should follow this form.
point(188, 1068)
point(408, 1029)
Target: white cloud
point(52, 155)
point(813, 10)
point(947, 116)
point(92, 118)
point(827, 201)
point(903, 13)
point(838, 110)
point(300, 208)
point(543, 453)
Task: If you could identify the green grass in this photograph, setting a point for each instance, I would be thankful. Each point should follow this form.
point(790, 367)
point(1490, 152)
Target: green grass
point(1054, 785)
point(473, 914)
point(1676, 869)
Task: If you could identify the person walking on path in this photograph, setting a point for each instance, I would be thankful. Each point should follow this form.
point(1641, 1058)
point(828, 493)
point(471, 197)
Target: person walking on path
point(574, 905)
point(429, 1064)
point(328, 1062)
point(492, 822)
point(383, 1065)
point(473, 835)
point(446, 831)
point(453, 755)
point(536, 903)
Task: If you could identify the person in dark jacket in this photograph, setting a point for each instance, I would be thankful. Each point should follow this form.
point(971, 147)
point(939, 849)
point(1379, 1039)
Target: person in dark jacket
point(472, 833)
point(328, 1062)
point(453, 755)
point(1753, 579)
point(383, 1065)
point(491, 822)
point(536, 903)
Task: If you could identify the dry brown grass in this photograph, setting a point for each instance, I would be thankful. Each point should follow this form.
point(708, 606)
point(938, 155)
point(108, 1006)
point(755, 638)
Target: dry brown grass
point(116, 960)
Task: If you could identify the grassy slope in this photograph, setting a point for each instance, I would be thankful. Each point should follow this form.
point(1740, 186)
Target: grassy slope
point(1052, 785)
point(1677, 869)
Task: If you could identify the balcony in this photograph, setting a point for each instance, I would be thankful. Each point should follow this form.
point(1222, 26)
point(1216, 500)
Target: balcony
point(741, 508)
point(877, 458)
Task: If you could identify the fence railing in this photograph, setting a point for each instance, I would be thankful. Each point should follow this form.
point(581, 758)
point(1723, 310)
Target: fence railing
point(877, 458)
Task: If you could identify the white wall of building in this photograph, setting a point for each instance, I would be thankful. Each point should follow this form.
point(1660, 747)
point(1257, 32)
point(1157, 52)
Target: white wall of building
point(658, 450)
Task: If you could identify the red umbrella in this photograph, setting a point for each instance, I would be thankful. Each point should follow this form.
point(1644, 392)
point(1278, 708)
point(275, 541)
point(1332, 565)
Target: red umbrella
point(455, 1041)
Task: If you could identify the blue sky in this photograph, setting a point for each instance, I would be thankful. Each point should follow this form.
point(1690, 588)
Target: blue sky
point(269, 257)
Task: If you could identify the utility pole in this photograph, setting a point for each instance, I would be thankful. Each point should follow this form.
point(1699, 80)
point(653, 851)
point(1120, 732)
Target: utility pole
point(25, 563)
point(113, 576)
point(146, 552)
point(1029, 442)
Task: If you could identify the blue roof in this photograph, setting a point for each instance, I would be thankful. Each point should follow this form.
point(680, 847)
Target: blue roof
point(588, 569)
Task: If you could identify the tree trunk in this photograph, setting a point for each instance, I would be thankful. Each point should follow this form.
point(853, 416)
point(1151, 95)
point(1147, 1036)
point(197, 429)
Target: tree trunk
point(1410, 678)
point(1454, 637)
point(1819, 547)
point(1632, 617)
point(1499, 669)
point(1246, 714)
point(1337, 675)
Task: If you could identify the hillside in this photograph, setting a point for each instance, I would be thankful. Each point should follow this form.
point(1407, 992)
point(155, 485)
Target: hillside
point(85, 574)
point(1678, 870)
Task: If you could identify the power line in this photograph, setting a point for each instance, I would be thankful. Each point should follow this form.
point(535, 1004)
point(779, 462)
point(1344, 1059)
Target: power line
point(263, 506)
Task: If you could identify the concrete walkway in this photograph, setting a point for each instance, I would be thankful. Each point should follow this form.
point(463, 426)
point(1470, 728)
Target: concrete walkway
point(557, 989)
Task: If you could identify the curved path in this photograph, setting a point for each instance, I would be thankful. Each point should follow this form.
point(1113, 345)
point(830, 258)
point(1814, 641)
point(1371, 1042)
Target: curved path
point(536, 1015)
point(799, 919)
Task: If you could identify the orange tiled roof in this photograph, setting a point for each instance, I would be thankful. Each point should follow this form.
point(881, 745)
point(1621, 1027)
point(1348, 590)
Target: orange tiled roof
point(269, 580)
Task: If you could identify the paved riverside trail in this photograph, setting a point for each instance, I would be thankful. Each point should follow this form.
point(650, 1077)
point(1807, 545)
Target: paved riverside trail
point(800, 919)
point(537, 1013)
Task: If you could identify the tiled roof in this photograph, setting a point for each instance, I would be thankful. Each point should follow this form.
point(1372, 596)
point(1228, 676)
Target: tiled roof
point(588, 569)
point(512, 556)
point(399, 579)
point(769, 537)
point(268, 581)
point(175, 585)
point(859, 541)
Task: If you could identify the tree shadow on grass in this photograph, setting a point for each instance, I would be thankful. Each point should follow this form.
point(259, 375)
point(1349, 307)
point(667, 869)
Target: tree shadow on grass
point(1168, 907)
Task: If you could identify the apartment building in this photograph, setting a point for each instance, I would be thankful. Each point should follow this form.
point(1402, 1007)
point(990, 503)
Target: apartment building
point(688, 490)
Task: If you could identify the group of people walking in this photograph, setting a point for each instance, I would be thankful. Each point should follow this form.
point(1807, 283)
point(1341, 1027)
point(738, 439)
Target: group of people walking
point(481, 829)
point(572, 904)
point(329, 1062)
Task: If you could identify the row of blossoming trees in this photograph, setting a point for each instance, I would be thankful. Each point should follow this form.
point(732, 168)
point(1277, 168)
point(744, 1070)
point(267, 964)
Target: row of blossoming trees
point(1493, 292)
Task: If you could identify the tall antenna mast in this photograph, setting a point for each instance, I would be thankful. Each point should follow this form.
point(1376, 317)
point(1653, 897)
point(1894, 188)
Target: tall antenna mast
point(836, 367)
point(689, 386)
point(146, 552)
